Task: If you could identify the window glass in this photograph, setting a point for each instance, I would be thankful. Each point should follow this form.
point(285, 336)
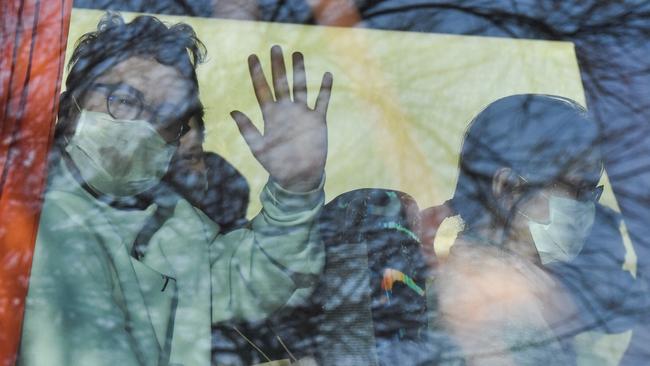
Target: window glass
point(241, 182)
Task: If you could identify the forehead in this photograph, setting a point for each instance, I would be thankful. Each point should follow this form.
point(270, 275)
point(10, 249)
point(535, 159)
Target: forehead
point(158, 83)
point(588, 172)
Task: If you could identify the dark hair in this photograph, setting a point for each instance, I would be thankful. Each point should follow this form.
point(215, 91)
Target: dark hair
point(198, 117)
point(114, 41)
point(539, 137)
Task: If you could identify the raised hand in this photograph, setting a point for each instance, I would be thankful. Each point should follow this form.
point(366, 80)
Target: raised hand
point(293, 147)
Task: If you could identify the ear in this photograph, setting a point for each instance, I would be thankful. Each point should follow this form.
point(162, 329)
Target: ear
point(504, 183)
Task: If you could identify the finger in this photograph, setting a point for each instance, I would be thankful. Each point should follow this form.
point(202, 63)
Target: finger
point(299, 79)
point(249, 132)
point(323, 99)
point(262, 89)
point(280, 83)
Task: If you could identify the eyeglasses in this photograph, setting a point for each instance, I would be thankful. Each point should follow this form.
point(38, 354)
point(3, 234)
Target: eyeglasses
point(590, 194)
point(584, 193)
point(127, 103)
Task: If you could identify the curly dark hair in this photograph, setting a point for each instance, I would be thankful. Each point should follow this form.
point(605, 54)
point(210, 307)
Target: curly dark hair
point(114, 41)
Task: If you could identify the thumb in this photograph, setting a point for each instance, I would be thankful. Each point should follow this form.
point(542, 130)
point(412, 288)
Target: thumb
point(249, 132)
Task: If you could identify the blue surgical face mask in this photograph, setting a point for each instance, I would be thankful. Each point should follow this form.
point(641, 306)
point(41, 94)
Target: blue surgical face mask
point(118, 157)
point(563, 237)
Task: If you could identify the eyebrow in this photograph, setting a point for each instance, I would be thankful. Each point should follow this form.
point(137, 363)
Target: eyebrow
point(120, 85)
point(134, 90)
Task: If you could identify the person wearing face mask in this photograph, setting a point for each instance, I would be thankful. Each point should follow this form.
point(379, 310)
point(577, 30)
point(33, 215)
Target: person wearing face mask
point(563, 235)
point(96, 295)
point(204, 179)
point(207, 180)
point(526, 193)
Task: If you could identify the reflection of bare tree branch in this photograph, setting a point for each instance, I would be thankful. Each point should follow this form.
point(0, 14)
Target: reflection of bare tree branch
point(611, 44)
point(612, 49)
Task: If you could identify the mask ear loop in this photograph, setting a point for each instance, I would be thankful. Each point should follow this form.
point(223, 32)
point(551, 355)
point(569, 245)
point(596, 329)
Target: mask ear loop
point(520, 212)
point(514, 210)
point(206, 185)
point(75, 103)
point(66, 139)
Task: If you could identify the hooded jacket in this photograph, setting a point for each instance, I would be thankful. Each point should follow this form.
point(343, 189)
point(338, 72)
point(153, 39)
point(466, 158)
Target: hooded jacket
point(91, 303)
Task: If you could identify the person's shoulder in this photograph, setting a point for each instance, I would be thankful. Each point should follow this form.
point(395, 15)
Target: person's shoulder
point(192, 218)
point(214, 160)
point(218, 166)
point(64, 193)
point(68, 241)
point(69, 208)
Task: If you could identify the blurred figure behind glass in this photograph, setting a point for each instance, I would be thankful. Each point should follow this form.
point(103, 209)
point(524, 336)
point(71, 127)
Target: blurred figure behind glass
point(526, 191)
point(207, 180)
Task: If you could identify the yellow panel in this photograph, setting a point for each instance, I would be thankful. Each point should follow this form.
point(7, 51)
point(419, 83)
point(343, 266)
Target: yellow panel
point(400, 104)
point(401, 100)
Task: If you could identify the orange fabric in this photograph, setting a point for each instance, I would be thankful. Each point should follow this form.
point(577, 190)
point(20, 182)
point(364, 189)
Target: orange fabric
point(430, 220)
point(336, 13)
point(34, 36)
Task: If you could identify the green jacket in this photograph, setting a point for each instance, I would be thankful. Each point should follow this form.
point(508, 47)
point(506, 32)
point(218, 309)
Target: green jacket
point(91, 303)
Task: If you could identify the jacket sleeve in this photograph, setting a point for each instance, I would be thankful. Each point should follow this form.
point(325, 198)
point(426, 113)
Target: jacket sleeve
point(272, 262)
point(71, 317)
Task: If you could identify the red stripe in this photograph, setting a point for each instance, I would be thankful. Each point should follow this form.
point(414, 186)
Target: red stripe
point(34, 37)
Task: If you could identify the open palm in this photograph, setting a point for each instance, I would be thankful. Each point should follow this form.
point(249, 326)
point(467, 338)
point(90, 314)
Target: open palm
point(293, 145)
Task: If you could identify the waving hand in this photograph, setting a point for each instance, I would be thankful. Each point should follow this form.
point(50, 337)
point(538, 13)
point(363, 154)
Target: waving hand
point(293, 145)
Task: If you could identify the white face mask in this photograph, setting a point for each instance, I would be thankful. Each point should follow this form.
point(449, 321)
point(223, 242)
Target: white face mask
point(118, 157)
point(563, 237)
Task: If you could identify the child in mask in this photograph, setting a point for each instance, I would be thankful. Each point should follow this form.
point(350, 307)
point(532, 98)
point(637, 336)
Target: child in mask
point(526, 193)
